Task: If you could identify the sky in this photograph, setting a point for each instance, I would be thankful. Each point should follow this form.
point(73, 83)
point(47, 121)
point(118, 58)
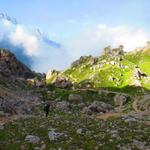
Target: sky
point(51, 34)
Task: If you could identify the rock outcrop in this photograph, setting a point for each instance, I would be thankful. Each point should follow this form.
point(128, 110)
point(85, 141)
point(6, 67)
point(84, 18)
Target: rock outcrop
point(120, 99)
point(10, 66)
point(97, 107)
point(113, 52)
point(15, 97)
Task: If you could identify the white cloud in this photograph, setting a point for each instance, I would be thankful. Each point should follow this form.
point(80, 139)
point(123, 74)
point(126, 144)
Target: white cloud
point(29, 42)
point(93, 40)
point(7, 23)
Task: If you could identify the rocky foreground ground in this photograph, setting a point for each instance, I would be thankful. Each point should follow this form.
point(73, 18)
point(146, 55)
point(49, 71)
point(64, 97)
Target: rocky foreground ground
point(77, 124)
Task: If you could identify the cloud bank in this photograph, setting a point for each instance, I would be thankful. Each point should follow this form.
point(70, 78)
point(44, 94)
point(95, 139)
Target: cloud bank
point(93, 40)
point(41, 53)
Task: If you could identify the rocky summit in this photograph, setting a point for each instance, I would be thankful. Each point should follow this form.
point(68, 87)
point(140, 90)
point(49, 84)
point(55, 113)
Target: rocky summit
point(10, 66)
point(99, 103)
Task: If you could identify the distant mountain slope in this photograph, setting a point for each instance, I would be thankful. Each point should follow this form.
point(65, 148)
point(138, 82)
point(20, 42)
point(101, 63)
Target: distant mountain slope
point(114, 68)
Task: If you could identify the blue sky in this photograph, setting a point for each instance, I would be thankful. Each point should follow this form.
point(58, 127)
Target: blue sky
point(73, 23)
point(57, 13)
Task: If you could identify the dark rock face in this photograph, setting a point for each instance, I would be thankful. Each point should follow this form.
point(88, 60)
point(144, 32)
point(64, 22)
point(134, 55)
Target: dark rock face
point(10, 66)
point(14, 96)
point(18, 102)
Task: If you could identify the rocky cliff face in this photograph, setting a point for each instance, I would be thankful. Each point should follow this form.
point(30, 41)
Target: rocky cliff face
point(15, 96)
point(10, 66)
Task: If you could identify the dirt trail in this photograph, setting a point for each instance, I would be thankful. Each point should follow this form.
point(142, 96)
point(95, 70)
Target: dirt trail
point(108, 115)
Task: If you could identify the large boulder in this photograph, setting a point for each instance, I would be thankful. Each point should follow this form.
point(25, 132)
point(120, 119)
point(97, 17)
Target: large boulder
point(52, 135)
point(51, 73)
point(97, 107)
point(62, 82)
point(139, 74)
point(75, 98)
point(32, 139)
point(120, 99)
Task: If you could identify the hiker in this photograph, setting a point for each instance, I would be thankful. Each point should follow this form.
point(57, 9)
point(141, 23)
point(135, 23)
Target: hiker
point(46, 108)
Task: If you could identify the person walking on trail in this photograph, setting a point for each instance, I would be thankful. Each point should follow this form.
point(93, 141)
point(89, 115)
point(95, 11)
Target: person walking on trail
point(46, 108)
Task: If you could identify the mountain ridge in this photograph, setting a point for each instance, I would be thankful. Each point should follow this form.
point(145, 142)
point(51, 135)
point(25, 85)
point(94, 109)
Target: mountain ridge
point(115, 68)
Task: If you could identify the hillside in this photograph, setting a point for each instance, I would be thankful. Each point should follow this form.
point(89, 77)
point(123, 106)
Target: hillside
point(113, 69)
point(99, 103)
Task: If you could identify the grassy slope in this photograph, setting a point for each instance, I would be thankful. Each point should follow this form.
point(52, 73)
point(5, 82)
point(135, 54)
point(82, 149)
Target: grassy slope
point(100, 77)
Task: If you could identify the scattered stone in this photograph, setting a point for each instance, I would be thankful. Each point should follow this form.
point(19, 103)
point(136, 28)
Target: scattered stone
point(103, 91)
point(139, 145)
point(114, 134)
point(81, 106)
point(37, 148)
point(79, 131)
point(43, 146)
point(2, 113)
point(87, 111)
point(63, 106)
point(1, 127)
point(54, 135)
point(120, 99)
point(129, 119)
point(75, 98)
point(32, 139)
point(97, 107)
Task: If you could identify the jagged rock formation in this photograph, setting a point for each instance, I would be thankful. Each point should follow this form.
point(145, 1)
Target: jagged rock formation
point(10, 66)
point(114, 52)
point(89, 59)
point(57, 79)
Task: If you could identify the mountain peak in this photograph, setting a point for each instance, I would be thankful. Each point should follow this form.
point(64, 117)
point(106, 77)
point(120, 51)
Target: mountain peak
point(10, 66)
